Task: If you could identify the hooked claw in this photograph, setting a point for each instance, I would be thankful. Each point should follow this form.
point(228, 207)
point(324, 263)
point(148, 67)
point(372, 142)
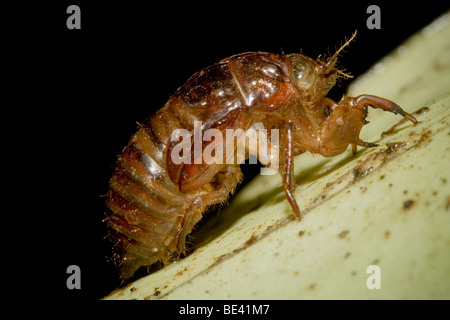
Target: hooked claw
point(346, 120)
point(362, 144)
point(365, 100)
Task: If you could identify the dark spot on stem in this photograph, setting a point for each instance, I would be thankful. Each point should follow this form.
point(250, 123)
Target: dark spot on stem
point(408, 204)
point(343, 234)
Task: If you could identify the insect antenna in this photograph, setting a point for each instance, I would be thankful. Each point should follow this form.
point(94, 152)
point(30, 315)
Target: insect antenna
point(343, 74)
point(332, 60)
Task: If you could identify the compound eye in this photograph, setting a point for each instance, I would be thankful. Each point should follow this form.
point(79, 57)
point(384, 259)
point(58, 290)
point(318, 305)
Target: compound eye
point(299, 71)
point(303, 71)
point(304, 74)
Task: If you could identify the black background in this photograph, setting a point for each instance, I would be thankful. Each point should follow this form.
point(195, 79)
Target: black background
point(81, 93)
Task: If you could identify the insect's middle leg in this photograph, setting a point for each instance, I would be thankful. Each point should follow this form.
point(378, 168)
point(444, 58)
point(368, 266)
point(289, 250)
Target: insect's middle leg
point(287, 166)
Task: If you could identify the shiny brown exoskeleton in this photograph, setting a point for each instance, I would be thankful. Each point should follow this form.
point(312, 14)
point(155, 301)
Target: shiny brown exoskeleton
point(153, 203)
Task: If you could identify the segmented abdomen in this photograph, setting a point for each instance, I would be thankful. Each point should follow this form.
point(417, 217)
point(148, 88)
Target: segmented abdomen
point(146, 209)
point(148, 216)
point(153, 203)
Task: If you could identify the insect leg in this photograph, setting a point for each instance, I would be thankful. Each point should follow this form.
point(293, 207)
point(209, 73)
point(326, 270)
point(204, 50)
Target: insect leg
point(362, 102)
point(365, 100)
point(362, 144)
point(329, 103)
point(288, 170)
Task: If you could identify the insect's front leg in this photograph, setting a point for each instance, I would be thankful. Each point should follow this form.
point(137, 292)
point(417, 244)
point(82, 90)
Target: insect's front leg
point(365, 100)
point(287, 166)
point(347, 119)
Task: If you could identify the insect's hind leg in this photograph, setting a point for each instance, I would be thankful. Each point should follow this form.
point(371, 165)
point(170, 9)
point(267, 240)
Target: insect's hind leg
point(224, 184)
point(214, 192)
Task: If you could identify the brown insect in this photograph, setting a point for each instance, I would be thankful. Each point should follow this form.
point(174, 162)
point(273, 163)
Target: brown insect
point(154, 202)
